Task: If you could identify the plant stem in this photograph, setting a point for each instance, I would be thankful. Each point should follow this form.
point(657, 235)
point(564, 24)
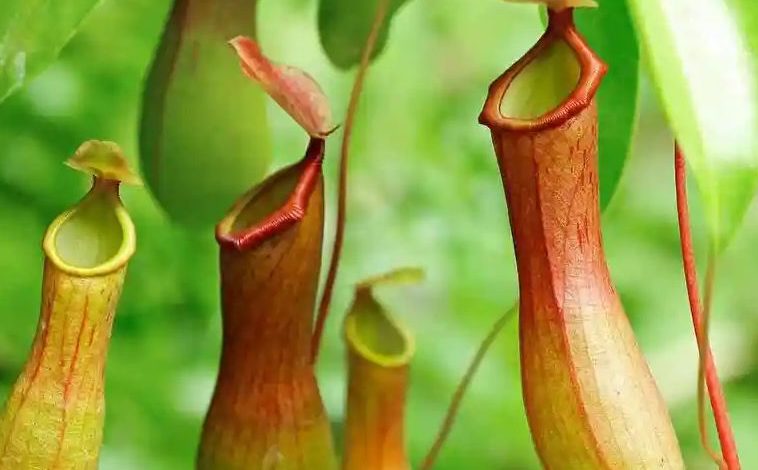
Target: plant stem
point(707, 368)
point(460, 391)
point(339, 233)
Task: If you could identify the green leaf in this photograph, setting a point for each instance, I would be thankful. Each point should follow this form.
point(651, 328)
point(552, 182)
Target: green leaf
point(610, 32)
point(344, 25)
point(704, 62)
point(32, 34)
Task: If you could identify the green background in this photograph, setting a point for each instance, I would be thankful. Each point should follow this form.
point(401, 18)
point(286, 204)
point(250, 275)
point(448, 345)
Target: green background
point(425, 191)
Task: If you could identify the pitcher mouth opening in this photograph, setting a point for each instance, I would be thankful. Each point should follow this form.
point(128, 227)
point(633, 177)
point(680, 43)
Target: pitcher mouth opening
point(273, 206)
point(95, 237)
point(554, 81)
point(376, 336)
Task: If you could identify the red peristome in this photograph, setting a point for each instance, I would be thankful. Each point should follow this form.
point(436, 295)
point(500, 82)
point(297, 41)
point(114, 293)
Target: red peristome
point(283, 218)
point(560, 28)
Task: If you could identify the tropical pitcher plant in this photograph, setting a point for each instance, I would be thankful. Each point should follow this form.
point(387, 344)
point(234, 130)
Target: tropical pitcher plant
point(54, 415)
point(589, 396)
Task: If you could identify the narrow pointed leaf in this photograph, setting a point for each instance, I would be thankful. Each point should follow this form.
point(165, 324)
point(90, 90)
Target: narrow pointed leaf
point(704, 61)
point(610, 32)
point(344, 26)
point(32, 34)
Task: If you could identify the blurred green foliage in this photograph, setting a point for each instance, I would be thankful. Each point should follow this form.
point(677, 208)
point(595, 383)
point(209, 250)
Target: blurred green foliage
point(32, 33)
point(424, 191)
point(344, 27)
point(702, 79)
